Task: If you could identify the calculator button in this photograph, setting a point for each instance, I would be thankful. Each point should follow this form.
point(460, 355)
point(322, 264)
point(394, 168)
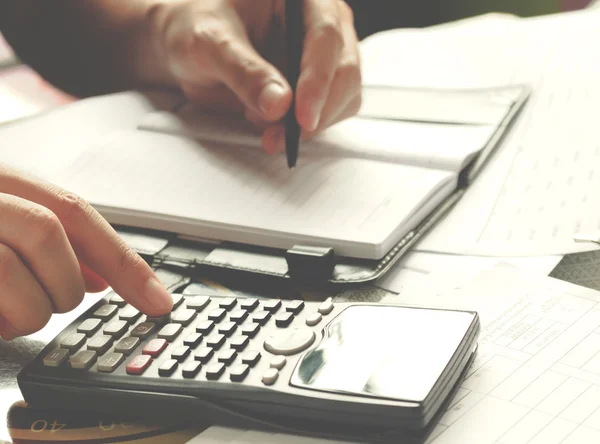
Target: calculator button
point(180, 353)
point(227, 356)
point(138, 365)
point(177, 300)
point(290, 342)
point(100, 344)
point(205, 327)
point(239, 342)
point(184, 317)
point(83, 360)
point(191, 369)
point(89, 326)
point(106, 312)
point(326, 307)
point(227, 328)
point(197, 303)
point(251, 358)
point(116, 329)
point(270, 376)
point(261, 317)
point(110, 362)
point(249, 304)
point(215, 371)
point(217, 314)
point(193, 340)
point(129, 314)
point(272, 306)
point(168, 367)
point(143, 330)
point(238, 316)
point(155, 347)
point(239, 372)
point(204, 354)
point(284, 319)
point(314, 319)
point(117, 300)
point(170, 331)
point(73, 341)
point(56, 357)
point(227, 303)
point(159, 320)
point(127, 345)
point(278, 362)
point(250, 330)
point(216, 341)
point(294, 306)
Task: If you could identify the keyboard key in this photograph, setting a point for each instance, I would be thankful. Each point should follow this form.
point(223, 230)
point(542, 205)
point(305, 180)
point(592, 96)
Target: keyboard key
point(205, 327)
point(180, 353)
point(249, 304)
point(227, 303)
point(184, 317)
point(204, 354)
point(239, 343)
point(129, 314)
point(217, 314)
point(227, 328)
point(294, 306)
point(56, 358)
point(143, 330)
point(138, 365)
point(272, 305)
point(83, 360)
point(197, 303)
point(314, 319)
point(216, 341)
point(110, 362)
point(127, 345)
point(289, 342)
point(215, 371)
point(278, 362)
point(100, 344)
point(89, 327)
point(326, 307)
point(177, 300)
point(170, 331)
point(227, 356)
point(155, 347)
point(159, 320)
point(106, 312)
point(239, 372)
point(191, 369)
point(116, 329)
point(168, 367)
point(251, 358)
point(250, 330)
point(261, 317)
point(73, 342)
point(238, 316)
point(284, 319)
point(270, 376)
point(117, 300)
point(193, 340)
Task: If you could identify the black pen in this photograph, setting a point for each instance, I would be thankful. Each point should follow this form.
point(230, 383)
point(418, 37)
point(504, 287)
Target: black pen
point(294, 37)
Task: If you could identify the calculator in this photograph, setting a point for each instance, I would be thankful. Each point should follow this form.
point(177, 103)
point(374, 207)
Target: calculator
point(238, 360)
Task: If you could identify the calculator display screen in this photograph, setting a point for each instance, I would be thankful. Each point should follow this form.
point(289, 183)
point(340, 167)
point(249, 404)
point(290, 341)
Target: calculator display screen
point(385, 352)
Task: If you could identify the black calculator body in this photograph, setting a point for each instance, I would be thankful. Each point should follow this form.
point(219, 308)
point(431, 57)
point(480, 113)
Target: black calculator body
point(238, 361)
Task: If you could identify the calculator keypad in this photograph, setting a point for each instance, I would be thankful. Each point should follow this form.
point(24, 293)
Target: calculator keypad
point(236, 340)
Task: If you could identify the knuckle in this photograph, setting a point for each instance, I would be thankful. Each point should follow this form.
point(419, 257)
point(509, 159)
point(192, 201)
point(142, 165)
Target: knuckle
point(346, 11)
point(47, 227)
point(329, 30)
point(350, 71)
point(73, 206)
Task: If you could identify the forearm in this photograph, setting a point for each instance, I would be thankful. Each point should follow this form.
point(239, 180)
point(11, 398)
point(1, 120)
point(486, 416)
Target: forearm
point(85, 46)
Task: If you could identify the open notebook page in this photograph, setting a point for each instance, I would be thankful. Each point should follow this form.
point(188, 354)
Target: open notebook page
point(359, 207)
point(426, 144)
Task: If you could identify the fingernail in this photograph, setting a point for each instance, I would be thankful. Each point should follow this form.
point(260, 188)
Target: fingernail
point(270, 96)
point(315, 112)
point(158, 297)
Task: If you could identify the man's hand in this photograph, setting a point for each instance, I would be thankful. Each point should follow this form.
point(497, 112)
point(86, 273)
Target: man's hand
point(230, 54)
point(53, 248)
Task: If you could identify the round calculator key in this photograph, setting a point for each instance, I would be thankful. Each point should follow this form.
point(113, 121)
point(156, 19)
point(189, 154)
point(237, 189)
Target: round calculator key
point(290, 342)
point(138, 365)
point(278, 362)
point(326, 307)
point(155, 347)
point(270, 376)
point(314, 319)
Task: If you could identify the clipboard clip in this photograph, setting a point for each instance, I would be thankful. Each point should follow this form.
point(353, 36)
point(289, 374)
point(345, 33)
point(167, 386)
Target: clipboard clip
point(307, 263)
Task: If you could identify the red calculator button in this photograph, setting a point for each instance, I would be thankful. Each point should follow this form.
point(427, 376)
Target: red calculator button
point(138, 364)
point(154, 347)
